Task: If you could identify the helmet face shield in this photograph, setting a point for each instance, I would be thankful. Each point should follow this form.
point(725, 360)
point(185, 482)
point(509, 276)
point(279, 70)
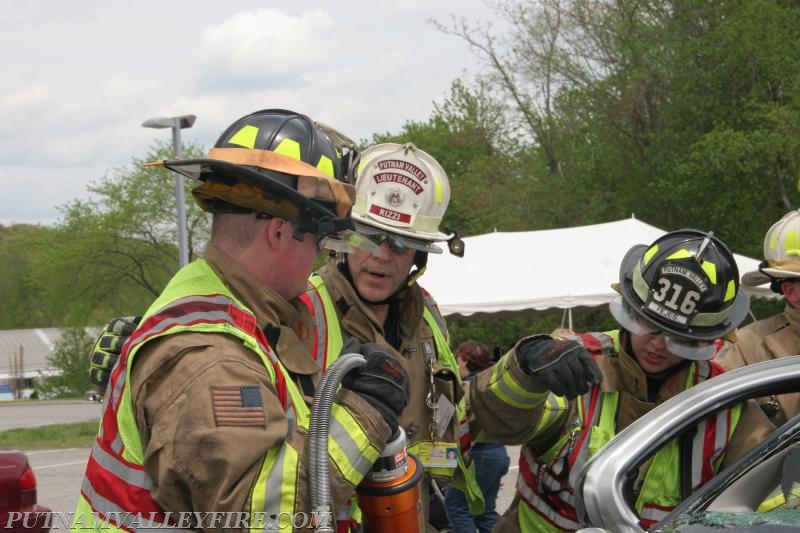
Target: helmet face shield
point(397, 243)
point(638, 325)
point(347, 241)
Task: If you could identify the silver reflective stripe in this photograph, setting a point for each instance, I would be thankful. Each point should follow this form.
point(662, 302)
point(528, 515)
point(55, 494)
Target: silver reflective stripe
point(698, 452)
point(117, 445)
point(107, 510)
point(504, 381)
point(116, 392)
point(653, 513)
point(132, 476)
point(721, 436)
point(204, 316)
point(217, 299)
point(340, 436)
point(273, 489)
point(186, 319)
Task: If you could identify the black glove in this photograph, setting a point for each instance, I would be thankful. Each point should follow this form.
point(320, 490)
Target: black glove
point(382, 381)
point(107, 348)
point(564, 366)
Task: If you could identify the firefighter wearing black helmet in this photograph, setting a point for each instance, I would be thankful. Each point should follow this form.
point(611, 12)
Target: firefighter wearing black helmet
point(201, 416)
point(678, 295)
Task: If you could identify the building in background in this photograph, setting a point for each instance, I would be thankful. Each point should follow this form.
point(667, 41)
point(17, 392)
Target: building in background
point(23, 358)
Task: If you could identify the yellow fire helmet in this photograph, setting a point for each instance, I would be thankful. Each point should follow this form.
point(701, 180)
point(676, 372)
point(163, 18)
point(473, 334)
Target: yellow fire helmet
point(781, 253)
point(403, 191)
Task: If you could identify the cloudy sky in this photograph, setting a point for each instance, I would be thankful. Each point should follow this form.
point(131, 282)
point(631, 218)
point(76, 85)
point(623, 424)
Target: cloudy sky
point(80, 76)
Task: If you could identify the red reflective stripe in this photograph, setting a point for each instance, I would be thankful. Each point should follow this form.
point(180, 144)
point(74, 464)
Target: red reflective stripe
point(526, 473)
point(306, 299)
point(553, 502)
point(465, 440)
point(709, 444)
point(132, 498)
point(320, 342)
point(280, 379)
point(179, 311)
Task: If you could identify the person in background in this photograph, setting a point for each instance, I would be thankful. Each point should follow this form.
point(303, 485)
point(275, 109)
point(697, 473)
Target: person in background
point(778, 335)
point(490, 458)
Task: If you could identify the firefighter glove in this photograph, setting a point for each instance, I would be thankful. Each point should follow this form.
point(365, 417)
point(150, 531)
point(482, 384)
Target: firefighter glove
point(565, 367)
point(107, 348)
point(381, 381)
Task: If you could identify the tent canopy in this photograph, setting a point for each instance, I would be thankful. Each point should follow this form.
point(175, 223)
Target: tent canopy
point(512, 272)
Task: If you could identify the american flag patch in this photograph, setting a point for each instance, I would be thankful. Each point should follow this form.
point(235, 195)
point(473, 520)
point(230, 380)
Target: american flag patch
point(238, 405)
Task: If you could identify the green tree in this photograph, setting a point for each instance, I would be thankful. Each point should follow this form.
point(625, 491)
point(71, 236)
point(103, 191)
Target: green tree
point(70, 359)
point(112, 254)
point(466, 136)
point(684, 113)
point(22, 303)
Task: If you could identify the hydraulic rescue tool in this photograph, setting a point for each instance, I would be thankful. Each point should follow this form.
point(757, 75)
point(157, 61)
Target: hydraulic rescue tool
point(389, 495)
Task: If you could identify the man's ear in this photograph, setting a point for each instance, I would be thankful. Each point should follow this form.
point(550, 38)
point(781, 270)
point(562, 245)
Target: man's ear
point(276, 230)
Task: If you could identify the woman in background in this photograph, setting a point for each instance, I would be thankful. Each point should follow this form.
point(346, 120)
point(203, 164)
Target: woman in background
point(491, 459)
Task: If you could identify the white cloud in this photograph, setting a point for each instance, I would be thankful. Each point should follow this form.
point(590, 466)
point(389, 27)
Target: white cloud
point(80, 76)
point(267, 48)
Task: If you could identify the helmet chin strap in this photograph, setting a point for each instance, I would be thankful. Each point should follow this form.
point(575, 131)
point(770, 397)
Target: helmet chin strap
point(420, 264)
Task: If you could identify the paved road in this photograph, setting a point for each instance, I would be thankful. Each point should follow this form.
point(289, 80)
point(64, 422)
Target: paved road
point(59, 472)
point(34, 414)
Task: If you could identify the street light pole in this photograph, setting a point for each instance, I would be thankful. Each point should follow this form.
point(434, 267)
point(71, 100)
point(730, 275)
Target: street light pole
point(177, 124)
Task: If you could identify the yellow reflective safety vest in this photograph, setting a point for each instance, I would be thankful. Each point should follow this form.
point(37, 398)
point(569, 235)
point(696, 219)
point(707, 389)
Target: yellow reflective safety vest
point(327, 346)
point(547, 502)
point(116, 489)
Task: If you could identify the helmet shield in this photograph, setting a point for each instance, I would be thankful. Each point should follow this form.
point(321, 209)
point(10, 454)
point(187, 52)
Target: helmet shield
point(697, 350)
point(686, 284)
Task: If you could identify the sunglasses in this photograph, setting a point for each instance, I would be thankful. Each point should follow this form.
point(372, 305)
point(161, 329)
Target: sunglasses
point(395, 245)
point(687, 348)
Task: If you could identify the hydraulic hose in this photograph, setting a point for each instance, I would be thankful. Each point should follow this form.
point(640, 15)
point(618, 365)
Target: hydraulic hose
point(319, 427)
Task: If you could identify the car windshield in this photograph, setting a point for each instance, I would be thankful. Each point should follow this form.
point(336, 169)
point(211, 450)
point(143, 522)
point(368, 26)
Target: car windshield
point(726, 520)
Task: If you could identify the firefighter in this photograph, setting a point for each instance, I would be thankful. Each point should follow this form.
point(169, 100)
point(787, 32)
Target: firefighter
point(778, 335)
point(201, 417)
point(402, 194)
point(677, 296)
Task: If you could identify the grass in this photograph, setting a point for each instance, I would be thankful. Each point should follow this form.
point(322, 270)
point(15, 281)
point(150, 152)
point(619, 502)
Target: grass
point(54, 436)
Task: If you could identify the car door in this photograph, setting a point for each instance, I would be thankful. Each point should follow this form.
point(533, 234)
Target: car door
point(601, 500)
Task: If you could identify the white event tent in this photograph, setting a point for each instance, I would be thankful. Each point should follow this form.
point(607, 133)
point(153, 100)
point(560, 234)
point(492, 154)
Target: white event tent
point(512, 272)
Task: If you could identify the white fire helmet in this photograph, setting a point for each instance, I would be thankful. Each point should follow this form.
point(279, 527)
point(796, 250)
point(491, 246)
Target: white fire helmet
point(404, 191)
point(781, 252)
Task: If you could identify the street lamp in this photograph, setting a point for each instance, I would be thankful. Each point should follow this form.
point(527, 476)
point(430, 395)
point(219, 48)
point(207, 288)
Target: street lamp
point(177, 124)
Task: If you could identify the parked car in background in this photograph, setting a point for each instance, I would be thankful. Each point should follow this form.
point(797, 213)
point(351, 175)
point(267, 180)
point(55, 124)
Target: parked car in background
point(19, 510)
point(732, 501)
